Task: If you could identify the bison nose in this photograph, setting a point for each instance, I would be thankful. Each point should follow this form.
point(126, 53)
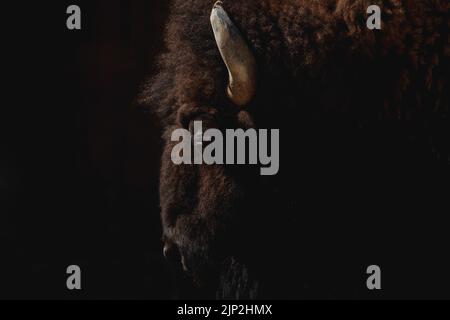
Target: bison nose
point(172, 253)
point(174, 257)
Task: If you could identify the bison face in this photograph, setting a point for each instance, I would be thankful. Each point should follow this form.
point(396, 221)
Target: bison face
point(205, 207)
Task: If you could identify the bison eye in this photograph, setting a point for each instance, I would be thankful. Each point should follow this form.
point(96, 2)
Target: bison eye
point(198, 133)
point(188, 114)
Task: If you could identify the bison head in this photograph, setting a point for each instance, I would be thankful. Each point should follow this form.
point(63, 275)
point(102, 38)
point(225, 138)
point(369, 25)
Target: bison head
point(298, 66)
point(205, 207)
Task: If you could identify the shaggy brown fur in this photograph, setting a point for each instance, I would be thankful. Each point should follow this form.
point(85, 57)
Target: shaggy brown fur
point(314, 58)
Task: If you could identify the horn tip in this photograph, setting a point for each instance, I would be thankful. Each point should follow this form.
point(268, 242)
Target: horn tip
point(218, 4)
point(217, 10)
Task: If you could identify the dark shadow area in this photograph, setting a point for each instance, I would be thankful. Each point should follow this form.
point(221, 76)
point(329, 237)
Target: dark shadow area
point(80, 167)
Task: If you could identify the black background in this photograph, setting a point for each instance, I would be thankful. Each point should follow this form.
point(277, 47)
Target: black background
point(80, 164)
point(79, 168)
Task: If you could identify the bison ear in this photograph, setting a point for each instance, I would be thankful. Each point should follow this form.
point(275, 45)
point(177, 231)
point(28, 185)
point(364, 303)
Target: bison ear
point(237, 56)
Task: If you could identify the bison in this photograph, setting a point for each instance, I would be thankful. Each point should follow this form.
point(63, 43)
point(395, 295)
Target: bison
point(315, 71)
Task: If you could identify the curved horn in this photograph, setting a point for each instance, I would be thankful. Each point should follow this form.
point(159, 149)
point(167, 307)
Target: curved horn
point(236, 54)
